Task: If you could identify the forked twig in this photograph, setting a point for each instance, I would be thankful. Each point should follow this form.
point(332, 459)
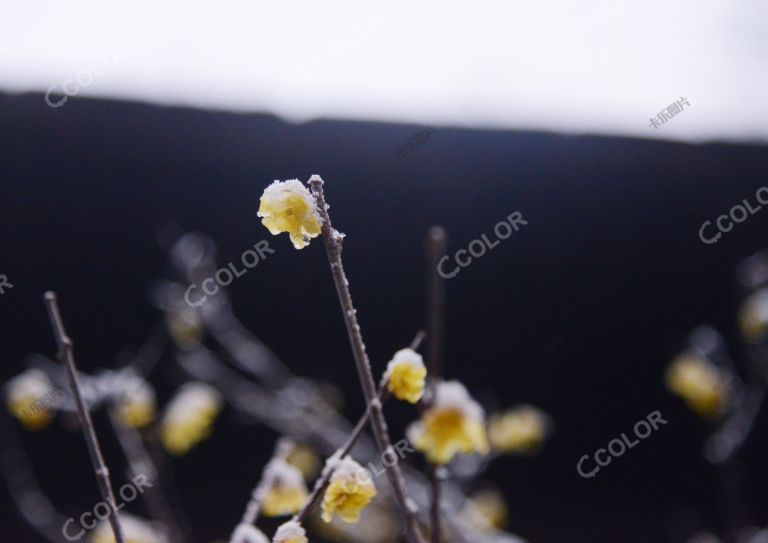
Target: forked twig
point(333, 240)
point(67, 358)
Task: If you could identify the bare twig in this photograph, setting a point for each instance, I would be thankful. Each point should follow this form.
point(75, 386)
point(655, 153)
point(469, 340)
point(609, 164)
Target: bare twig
point(435, 249)
point(66, 356)
point(333, 241)
point(141, 463)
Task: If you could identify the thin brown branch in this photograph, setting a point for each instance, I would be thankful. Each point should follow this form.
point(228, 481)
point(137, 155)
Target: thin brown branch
point(67, 358)
point(333, 247)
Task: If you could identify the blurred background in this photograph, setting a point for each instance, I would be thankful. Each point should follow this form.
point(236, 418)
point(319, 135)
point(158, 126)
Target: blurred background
point(124, 127)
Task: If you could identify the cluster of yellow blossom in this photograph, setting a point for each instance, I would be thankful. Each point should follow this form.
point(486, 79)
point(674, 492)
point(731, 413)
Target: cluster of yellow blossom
point(453, 423)
point(288, 491)
point(406, 375)
point(135, 530)
point(29, 396)
point(189, 417)
point(703, 386)
point(518, 430)
point(350, 490)
point(288, 206)
point(290, 532)
point(136, 406)
point(753, 317)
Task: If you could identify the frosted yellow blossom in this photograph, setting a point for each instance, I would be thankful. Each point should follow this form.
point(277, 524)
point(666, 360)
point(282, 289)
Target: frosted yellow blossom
point(350, 490)
point(753, 317)
point(29, 396)
point(290, 532)
point(288, 206)
point(405, 375)
point(189, 417)
point(454, 423)
point(135, 530)
point(703, 386)
point(486, 509)
point(305, 459)
point(288, 492)
point(136, 408)
point(518, 430)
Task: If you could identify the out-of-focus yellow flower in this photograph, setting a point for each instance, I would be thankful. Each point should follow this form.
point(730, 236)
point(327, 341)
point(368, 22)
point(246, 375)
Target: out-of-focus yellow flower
point(185, 327)
point(288, 206)
point(305, 459)
point(703, 386)
point(288, 492)
point(290, 532)
point(136, 407)
point(135, 530)
point(406, 375)
point(486, 509)
point(189, 417)
point(350, 490)
point(29, 397)
point(753, 317)
point(518, 430)
point(454, 423)
point(248, 533)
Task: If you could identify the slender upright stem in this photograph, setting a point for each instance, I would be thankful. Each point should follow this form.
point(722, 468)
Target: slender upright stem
point(333, 247)
point(435, 249)
point(66, 356)
point(141, 463)
point(322, 482)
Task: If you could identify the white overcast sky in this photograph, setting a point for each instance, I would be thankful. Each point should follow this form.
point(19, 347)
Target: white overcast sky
point(595, 66)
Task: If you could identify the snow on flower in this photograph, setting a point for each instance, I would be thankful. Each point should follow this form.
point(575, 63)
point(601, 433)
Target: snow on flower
point(454, 423)
point(246, 533)
point(136, 407)
point(290, 532)
point(288, 492)
point(26, 397)
point(405, 375)
point(288, 206)
point(350, 490)
point(189, 417)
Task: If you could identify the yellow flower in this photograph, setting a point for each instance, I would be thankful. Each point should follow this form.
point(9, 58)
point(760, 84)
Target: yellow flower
point(350, 490)
point(486, 509)
point(288, 492)
point(703, 386)
point(305, 459)
point(290, 532)
point(288, 206)
point(454, 423)
point(753, 317)
point(519, 430)
point(135, 530)
point(136, 407)
point(406, 375)
point(189, 417)
point(29, 397)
